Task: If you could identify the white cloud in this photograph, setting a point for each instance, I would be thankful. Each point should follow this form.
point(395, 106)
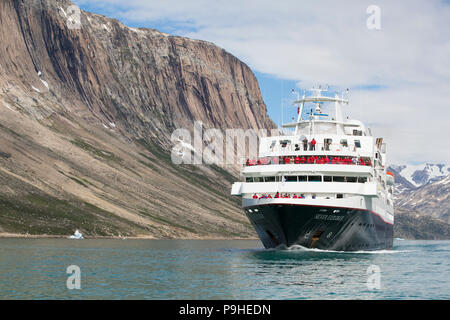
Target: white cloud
point(328, 42)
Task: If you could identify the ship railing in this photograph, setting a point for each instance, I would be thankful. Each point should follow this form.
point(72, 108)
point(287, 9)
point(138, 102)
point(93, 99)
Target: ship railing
point(313, 159)
point(296, 147)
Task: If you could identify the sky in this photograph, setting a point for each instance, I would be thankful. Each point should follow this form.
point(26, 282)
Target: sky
point(395, 60)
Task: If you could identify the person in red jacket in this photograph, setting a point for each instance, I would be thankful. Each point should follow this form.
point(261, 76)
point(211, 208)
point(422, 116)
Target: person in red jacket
point(302, 159)
point(313, 144)
point(297, 160)
point(287, 160)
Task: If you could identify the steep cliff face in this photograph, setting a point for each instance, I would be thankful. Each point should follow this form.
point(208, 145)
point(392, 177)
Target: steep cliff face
point(146, 81)
point(86, 117)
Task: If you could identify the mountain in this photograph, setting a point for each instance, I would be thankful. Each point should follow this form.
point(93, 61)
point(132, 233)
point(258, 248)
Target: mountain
point(409, 177)
point(433, 199)
point(86, 117)
point(412, 225)
point(422, 201)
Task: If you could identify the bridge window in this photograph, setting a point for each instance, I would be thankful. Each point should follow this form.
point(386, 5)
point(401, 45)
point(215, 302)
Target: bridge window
point(327, 179)
point(269, 179)
point(291, 178)
point(357, 144)
point(302, 178)
point(314, 178)
point(258, 179)
point(344, 143)
point(339, 196)
point(249, 179)
point(362, 179)
point(338, 179)
point(351, 179)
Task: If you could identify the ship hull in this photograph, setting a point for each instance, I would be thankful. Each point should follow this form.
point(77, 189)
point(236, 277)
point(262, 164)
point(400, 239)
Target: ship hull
point(327, 228)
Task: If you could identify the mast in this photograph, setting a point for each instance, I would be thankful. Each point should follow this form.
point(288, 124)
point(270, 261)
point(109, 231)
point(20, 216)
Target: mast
point(315, 113)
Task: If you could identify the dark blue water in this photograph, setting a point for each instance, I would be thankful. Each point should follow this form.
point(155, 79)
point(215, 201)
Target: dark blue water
point(203, 269)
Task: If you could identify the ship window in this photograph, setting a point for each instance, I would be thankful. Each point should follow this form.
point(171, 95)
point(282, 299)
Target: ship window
point(362, 179)
point(258, 179)
point(302, 178)
point(314, 178)
point(351, 179)
point(291, 178)
point(344, 143)
point(339, 196)
point(248, 179)
point(269, 179)
point(284, 143)
point(327, 143)
point(327, 179)
point(338, 179)
point(357, 143)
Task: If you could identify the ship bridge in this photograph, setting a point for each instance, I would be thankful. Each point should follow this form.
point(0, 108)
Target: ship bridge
point(313, 119)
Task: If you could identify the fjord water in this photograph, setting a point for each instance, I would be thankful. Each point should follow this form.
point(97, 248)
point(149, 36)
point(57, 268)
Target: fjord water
point(229, 269)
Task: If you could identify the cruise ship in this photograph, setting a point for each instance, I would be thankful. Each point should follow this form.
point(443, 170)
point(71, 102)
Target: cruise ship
point(324, 185)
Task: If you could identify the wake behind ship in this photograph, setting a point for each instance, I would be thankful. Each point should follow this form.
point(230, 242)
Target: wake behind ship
point(324, 186)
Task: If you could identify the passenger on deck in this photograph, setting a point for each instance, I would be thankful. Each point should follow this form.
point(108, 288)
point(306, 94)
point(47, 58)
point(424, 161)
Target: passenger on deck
point(295, 197)
point(255, 196)
point(302, 159)
point(297, 159)
point(297, 148)
point(313, 144)
point(305, 144)
point(269, 196)
point(287, 160)
point(277, 195)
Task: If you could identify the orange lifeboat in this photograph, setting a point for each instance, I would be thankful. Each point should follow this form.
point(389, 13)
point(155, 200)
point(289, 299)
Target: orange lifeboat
point(389, 178)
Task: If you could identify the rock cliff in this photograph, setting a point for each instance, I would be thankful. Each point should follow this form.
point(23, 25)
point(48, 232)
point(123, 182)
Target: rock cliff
point(86, 117)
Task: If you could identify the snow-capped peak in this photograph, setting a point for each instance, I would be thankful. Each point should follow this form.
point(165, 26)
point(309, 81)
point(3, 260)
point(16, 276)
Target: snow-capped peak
point(422, 174)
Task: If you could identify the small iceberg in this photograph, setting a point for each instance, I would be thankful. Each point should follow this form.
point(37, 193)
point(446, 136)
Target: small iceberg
point(76, 235)
point(399, 239)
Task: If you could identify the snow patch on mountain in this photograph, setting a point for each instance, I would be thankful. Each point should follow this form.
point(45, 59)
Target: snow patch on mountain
point(422, 174)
